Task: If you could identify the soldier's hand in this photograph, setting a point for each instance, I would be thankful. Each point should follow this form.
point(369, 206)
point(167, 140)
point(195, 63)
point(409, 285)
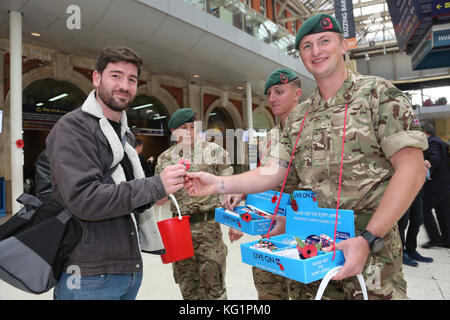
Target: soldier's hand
point(198, 184)
point(172, 178)
point(356, 251)
point(230, 201)
point(234, 234)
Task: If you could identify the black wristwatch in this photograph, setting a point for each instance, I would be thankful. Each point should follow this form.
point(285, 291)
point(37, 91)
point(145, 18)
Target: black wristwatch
point(376, 244)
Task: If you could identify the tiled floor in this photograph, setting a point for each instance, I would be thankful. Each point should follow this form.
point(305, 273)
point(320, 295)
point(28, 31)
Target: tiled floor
point(427, 281)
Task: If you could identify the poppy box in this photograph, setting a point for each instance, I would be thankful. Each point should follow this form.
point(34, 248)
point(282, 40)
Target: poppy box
point(255, 217)
point(314, 226)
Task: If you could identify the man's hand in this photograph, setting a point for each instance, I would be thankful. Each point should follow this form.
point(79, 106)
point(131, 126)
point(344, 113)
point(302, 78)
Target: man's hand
point(356, 250)
point(279, 228)
point(234, 234)
point(198, 184)
point(230, 201)
point(172, 178)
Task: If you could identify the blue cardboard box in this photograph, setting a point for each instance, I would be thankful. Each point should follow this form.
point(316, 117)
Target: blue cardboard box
point(308, 220)
point(250, 222)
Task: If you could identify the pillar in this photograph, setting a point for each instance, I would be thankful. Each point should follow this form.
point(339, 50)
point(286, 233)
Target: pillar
point(16, 107)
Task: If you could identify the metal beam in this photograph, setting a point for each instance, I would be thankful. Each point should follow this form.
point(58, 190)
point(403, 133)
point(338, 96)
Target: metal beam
point(283, 6)
point(316, 9)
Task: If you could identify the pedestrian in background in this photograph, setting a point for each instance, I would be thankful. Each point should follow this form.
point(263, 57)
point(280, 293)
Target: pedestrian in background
point(436, 191)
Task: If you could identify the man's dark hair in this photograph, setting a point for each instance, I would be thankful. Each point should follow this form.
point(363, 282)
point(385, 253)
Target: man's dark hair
point(138, 142)
point(427, 128)
point(118, 54)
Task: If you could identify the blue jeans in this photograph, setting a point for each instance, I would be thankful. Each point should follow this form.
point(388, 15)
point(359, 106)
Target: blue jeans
point(108, 286)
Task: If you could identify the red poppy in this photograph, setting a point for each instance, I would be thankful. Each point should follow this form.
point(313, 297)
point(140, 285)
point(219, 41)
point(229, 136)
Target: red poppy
point(185, 162)
point(307, 251)
point(20, 144)
point(294, 204)
point(274, 199)
point(246, 217)
point(281, 267)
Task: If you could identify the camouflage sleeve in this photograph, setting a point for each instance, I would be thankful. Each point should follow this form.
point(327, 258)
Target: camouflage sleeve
point(217, 159)
point(281, 149)
point(272, 137)
point(160, 163)
point(394, 120)
point(158, 167)
point(225, 168)
point(263, 149)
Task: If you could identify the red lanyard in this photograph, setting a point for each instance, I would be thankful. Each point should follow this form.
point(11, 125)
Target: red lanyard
point(285, 177)
point(260, 159)
point(265, 151)
point(340, 179)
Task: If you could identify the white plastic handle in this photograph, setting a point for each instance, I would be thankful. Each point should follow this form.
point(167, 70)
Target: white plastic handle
point(176, 205)
point(330, 274)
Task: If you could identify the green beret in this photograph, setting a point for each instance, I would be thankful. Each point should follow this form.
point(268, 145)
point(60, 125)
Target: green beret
point(279, 76)
point(181, 117)
point(316, 24)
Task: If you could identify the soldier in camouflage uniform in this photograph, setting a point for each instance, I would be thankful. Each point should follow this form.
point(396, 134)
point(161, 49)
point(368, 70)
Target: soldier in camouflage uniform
point(380, 137)
point(382, 162)
point(283, 89)
point(202, 276)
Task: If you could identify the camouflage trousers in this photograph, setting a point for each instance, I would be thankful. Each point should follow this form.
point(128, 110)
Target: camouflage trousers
point(382, 273)
point(270, 286)
point(202, 277)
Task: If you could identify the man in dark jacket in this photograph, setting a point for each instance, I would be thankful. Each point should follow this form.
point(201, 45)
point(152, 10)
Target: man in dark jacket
point(42, 180)
point(436, 191)
point(83, 147)
point(147, 164)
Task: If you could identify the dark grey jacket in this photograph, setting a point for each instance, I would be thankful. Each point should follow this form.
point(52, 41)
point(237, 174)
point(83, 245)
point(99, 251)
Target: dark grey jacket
point(42, 179)
point(82, 147)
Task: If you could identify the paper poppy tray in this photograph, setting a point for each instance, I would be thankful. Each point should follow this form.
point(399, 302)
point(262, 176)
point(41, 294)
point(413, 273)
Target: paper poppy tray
point(283, 257)
point(255, 217)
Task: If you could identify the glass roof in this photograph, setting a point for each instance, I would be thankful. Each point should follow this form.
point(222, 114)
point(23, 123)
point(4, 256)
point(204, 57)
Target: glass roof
point(372, 20)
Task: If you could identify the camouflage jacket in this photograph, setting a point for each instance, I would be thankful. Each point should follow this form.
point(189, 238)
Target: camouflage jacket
point(213, 159)
point(273, 137)
point(380, 122)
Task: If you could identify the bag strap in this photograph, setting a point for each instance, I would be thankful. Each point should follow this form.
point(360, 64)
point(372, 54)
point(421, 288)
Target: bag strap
point(30, 204)
point(29, 200)
point(330, 274)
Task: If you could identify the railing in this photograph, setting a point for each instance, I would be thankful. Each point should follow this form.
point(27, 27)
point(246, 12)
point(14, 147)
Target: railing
point(250, 21)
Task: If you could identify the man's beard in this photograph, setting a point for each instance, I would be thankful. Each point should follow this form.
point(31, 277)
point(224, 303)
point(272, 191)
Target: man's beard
point(110, 102)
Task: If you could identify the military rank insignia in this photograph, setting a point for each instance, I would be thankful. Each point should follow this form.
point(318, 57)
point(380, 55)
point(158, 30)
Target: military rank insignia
point(394, 93)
